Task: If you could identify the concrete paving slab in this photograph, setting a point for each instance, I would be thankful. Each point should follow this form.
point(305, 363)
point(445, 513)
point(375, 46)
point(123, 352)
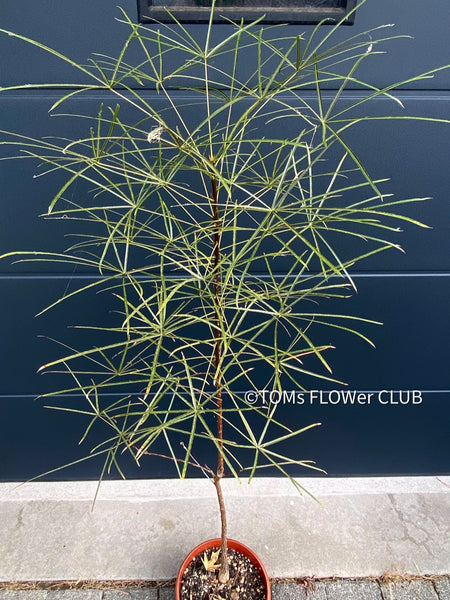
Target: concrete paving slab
point(144, 529)
point(75, 594)
point(23, 595)
point(131, 594)
point(293, 591)
point(409, 590)
point(318, 591)
point(340, 589)
point(289, 591)
point(166, 593)
point(442, 587)
point(353, 590)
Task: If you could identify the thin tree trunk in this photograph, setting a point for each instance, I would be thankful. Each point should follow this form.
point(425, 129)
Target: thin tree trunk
point(224, 570)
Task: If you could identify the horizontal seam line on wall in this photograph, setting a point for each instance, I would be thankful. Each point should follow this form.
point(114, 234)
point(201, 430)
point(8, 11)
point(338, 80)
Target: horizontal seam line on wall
point(65, 276)
point(411, 94)
point(35, 397)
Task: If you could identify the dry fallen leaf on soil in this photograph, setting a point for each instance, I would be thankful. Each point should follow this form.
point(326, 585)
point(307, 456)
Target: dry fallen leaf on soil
point(210, 564)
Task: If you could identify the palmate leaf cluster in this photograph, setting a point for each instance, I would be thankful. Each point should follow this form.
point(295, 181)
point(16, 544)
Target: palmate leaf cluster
point(215, 239)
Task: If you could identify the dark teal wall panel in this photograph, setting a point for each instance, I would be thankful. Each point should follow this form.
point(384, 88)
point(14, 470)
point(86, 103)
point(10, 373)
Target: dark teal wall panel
point(36, 439)
point(413, 155)
point(79, 28)
point(358, 440)
point(410, 348)
point(391, 435)
point(76, 28)
point(26, 337)
point(407, 292)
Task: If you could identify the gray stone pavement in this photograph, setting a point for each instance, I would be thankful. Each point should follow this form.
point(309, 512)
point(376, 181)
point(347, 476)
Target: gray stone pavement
point(427, 588)
point(138, 533)
point(142, 530)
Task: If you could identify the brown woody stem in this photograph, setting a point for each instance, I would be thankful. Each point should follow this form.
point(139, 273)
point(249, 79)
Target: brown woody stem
point(224, 574)
point(224, 570)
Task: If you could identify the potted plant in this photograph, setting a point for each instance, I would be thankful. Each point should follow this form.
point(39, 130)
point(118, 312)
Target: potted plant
point(216, 243)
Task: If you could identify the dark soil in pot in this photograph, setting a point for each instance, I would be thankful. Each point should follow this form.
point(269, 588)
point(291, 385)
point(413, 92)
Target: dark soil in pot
point(200, 583)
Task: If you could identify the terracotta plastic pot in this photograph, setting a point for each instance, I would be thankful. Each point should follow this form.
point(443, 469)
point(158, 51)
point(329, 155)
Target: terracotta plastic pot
point(234, 545)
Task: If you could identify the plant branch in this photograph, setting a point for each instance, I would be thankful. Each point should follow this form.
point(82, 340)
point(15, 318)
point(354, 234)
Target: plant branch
point(224, 574)
point(217, 323)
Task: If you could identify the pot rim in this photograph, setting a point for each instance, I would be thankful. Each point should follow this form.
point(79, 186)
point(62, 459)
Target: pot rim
point(234, 545)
